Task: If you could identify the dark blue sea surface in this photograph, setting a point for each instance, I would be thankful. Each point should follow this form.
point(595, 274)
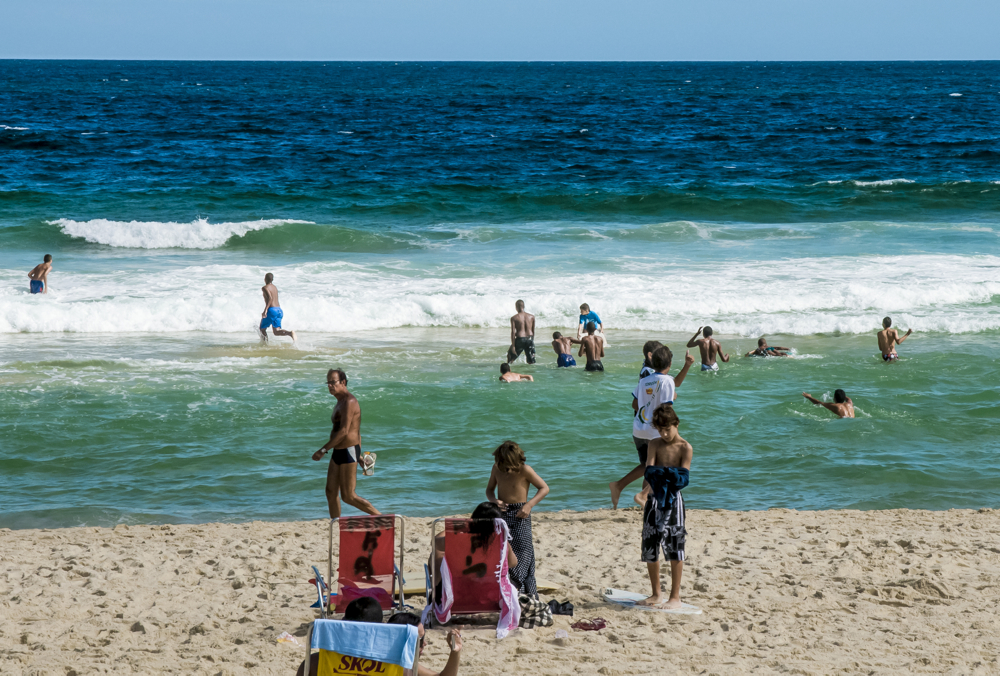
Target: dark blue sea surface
point(419, 143)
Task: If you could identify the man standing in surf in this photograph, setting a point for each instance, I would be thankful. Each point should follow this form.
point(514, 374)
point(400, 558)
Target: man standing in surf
point(710, 349)
point(39, 275)
point(272, 314)
point(888, 339)
point(345, 440)
point(522, 335)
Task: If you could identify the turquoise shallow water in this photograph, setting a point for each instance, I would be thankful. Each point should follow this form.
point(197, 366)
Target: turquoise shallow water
point(201, 428)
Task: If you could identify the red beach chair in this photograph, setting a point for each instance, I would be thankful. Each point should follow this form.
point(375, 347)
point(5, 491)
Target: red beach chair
point(367, 560)
point(476, 573)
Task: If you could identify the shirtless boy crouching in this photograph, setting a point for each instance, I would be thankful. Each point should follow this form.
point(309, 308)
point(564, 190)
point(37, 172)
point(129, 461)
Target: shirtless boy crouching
point(563, 347)
point(668, 467)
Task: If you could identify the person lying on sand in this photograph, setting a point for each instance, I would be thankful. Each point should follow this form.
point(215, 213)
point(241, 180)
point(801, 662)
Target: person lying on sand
point(667, 471)
point(272, 314)
point(563, 346)
point(710, 349)
point(842, 406)
point(508, 376)
point(765, 350)
point(888, 339)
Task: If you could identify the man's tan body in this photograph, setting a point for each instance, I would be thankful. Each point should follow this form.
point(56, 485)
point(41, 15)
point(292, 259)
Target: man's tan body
point(270, 292)
point(564, 345)
point(511, 377)
point(40, 273)
point(342, 479)
point(522, 335)
point(593, 346)
point(888, 339)
point(709, 347)
point(670, 450)
point(843, 410)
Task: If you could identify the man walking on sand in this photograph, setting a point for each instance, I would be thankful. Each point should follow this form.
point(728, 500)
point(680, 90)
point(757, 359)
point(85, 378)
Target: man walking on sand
point(522, 335)
point(888, 339)
point(345, 440)
point(272, 314)
point(39, 275)
point(594, 347)
point(710, 349)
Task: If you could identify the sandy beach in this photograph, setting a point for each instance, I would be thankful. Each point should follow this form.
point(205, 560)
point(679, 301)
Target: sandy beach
point(782, 591)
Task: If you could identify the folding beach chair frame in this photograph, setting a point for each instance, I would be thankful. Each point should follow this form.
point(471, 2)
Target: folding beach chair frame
point(433, 570)
point(397, 570)
point(309, 635)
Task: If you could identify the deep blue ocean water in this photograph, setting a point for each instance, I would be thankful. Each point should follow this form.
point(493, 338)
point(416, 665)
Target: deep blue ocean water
point(403, 207)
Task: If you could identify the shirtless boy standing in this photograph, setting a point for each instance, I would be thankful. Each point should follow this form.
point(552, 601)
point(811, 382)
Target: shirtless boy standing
point(594, 347)
point(563, 346)
point(345, 440)
point(272, 314)
point(888, 339)
point(710, 349)
point(39, 275)
point(508, 376)
point(668, 471)
point(522, 335)
point(843, 407)
point(510, 478)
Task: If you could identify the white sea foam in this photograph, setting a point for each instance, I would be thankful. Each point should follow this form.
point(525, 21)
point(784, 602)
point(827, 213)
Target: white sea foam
point(198, 234)
point(891, 181)
point(3, 126)
point(946, 293)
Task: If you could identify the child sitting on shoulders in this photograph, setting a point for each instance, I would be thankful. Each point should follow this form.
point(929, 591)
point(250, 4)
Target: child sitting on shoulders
point(510, 478)
point(668, 465)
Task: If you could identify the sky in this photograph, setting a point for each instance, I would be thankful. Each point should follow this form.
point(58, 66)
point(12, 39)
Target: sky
point(501, 30)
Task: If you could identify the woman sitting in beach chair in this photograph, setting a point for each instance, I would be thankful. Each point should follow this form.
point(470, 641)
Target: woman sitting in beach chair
point(471, 562)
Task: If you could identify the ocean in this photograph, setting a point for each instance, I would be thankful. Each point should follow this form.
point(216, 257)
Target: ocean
point(404, 207)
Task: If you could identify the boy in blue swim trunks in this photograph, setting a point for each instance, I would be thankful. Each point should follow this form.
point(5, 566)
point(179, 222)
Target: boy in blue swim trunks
point(39, 275)
point(563, 347)
point(272, 314)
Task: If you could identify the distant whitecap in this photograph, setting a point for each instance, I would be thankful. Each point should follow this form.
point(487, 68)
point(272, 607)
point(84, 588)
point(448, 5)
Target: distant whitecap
point(954, 94)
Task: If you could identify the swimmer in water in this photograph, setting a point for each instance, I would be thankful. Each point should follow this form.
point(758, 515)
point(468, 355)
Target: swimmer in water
point(843, 407)
point(765, 350)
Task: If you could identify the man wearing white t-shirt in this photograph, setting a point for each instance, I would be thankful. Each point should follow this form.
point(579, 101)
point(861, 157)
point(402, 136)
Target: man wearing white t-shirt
point(653, 390)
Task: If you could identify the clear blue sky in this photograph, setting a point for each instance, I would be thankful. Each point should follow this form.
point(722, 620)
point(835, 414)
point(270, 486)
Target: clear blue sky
point(528, 30)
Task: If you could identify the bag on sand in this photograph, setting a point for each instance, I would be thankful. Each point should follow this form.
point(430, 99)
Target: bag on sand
point(534, 613)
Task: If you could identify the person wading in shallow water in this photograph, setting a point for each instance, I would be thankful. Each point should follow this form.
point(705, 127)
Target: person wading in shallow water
point(272, 314)
point(522, 335)
point(345, 440)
